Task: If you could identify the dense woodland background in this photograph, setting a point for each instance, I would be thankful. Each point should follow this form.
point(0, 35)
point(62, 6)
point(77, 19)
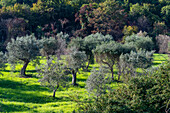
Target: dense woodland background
point(80, 18)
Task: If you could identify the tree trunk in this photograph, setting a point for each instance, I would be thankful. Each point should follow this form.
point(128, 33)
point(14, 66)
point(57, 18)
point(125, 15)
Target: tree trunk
point(55, 91)
point(47, 57)
point(90, 60)
point(74, 78)
point(119, 73)
point(24, 68)
point(112, 72)
point(88, 64)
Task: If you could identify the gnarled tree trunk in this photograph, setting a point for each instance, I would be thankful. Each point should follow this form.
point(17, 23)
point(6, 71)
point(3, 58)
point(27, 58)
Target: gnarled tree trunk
point(90, 60)
point(74, 78)
point(24, 68)
point(88, 64)
point(111, 69)
point(55, 91)
point(119, 72)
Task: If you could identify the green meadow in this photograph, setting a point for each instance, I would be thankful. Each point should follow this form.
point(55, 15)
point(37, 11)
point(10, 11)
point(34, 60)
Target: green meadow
point(26, 95)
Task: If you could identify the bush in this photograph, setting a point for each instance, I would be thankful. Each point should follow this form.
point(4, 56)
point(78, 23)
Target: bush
point(146, 93)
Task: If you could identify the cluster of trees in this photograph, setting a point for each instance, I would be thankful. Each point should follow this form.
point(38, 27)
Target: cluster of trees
point(78, 51)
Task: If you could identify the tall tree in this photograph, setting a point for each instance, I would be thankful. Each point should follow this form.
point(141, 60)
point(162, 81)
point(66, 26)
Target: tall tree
point(23, 49)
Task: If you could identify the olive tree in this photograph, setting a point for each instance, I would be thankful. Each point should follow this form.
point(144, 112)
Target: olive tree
point(53, 75)
point(54, 45)
point(140, 41)
point(129, 62)
point(108, 53)
point(148, 92)
point(23, 49)
point(49, 46)
point(89, 43)
point(97, 82)
point(75, 60)
point(92, 41)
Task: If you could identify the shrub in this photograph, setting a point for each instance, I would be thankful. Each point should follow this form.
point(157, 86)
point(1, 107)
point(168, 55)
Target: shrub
point(146, 93)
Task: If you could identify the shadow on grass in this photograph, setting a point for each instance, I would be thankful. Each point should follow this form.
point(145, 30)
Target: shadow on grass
point(18, 92)
point(154, 64)
point(81, 79)
point(29, 73)
point(22, 86)
point(15, 71)
point(13, 108)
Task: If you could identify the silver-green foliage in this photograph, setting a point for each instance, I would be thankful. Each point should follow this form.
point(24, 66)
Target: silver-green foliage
point(24, 48)
point(76, 59)
point(63, 36)
point(129, 62)
point(93, 40)
point(89, 43)
point(53, 75)
point(49, 46)
point(113, 48)
point(139, 59)
point(140, 42)
point(97, 82)
point(108, 53)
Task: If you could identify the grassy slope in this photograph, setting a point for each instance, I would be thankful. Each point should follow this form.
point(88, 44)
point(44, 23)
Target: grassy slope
point(26, 95)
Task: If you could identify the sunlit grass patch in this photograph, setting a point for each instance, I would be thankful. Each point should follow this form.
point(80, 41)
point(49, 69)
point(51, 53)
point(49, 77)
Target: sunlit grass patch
point(26, 95)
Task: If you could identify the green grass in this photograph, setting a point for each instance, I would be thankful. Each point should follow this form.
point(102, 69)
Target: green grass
point(26, 95)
